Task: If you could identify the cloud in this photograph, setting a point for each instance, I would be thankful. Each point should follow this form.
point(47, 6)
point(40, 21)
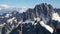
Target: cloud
point(4, 6)
point(23, 9)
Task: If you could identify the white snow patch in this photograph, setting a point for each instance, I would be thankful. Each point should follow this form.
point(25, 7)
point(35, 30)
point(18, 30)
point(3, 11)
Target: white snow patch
point(15, 20)
point(38, 19)
point(10, 20)
point(29, 21)
point(1, 25)
point(56, 17)
point(35, 23)
point(8, 15)
point(50, 29)
point(20, 21)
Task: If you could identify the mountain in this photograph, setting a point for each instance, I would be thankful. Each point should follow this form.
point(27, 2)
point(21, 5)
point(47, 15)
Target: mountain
point(13, 19)
point(41, 9)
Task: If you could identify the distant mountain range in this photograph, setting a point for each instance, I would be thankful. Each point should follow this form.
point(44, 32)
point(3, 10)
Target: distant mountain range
point(13, 17)
point(11, 9)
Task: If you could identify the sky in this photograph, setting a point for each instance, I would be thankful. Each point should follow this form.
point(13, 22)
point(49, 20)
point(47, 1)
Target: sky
point(29, 3)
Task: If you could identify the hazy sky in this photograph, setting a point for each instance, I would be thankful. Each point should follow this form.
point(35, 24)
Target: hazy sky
point(29, 3)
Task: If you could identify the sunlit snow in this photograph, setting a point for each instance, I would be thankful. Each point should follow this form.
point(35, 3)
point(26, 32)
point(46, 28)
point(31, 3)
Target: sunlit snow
point(50, 29)
point(56, 17)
